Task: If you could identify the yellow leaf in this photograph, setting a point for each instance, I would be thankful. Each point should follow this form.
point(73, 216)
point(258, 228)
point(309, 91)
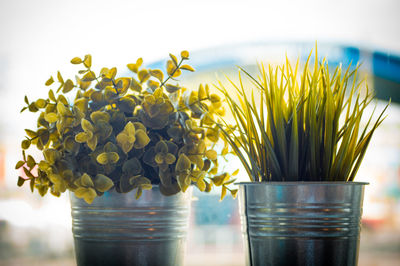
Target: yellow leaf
point(80, 192)
point(158, 94)
point(107, 158)
point(99, 116)
point(171, 88)
point(59, 77)
point(41, 103)
point(235, 172)
point(51, 117)
point(201, 92)
point(201, 185)
point(19, 164)
point(52, 96)
point(86, 125)
point(76, 60)
point(82, 104)
point(146, 186)
point(158, 74)
point(135, 67)
point(123, 84)
point(49, 81)
point(51, 155)
point(89, 195)
point(143, 75)
point(139, 125)
point(213, 171)
point(177, 73)
point(138, 192)
point(223, 193)
point(135, 85)
point(185, 54)
point(183, 163)
point(82, 137)
point(141, 139)
point(70, 144)
point(61, 109)
point(126, 138)
point(152, 84)
point(220, 179)
point(89, 76)
point(61, 98)
point(125, 141)
point(87, 61)
point(68, 86)
point(92, 143)
point(212, 135)
point(159, 158)
point(183, 182)
point(208, 186)
point(130, 130)
point(108, 74)
point(170, 158)
point(86, 181)
point(31, 133)
point(187, 67)
point(234, 193)
point(132, 67)
point(214, 98)
point(170, 67)
point(103, 183)
point(25, 144)
point(173, 57)
point(139, 62)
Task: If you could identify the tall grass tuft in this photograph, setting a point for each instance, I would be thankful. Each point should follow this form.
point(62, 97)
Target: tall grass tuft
point(301, 125)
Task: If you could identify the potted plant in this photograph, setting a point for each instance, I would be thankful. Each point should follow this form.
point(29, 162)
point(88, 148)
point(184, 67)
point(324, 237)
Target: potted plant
point(126, 148)
point(300, 137)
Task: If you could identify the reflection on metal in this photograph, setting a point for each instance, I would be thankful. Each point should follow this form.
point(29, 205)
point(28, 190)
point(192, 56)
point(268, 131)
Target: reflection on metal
point(301, 223)
point(117, 229)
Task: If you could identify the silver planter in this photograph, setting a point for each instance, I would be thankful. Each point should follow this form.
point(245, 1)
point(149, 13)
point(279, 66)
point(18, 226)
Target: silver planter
point(301, 223)
point(117, 229)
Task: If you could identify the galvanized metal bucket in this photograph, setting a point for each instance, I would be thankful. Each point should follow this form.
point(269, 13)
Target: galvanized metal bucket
point(301, 223)
point(117, 229)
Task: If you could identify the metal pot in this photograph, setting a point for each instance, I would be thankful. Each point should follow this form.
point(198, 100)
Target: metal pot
point(117, 229)
point(301, 223)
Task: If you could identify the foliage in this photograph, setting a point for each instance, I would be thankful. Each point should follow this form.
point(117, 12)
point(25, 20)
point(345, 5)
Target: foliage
point(305, 129)
point(125, 132)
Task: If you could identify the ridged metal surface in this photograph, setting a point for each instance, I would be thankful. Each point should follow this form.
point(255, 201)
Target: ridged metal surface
point(301, 223)
point(117, 229)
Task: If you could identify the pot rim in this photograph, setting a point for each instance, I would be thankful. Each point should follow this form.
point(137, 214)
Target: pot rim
point(302, 183)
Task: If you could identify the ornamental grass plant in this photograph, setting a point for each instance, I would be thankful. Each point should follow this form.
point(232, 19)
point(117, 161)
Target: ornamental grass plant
point(299, 125)
point(123, 132)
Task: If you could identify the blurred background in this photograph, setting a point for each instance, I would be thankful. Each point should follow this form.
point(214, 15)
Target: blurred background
point(40, 37)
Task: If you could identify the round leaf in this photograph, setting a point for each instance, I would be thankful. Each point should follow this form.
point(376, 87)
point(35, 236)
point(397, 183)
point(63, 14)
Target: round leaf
point(185, 54)
point(211, 154)
point(25, 144)
point(183, 163)
point(51, 117)
point(76, 60)
point(141, 139)
point(86, 181)
point(103, 183)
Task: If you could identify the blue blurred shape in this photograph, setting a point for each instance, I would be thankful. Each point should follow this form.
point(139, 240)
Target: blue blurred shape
point(386, 66)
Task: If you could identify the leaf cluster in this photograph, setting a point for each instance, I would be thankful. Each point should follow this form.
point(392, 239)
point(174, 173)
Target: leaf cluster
point(127, 132)
point(300, 126)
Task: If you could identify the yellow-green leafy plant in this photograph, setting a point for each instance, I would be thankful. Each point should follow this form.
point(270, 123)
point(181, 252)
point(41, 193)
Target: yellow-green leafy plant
point(127, 132)
point(299, 125)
